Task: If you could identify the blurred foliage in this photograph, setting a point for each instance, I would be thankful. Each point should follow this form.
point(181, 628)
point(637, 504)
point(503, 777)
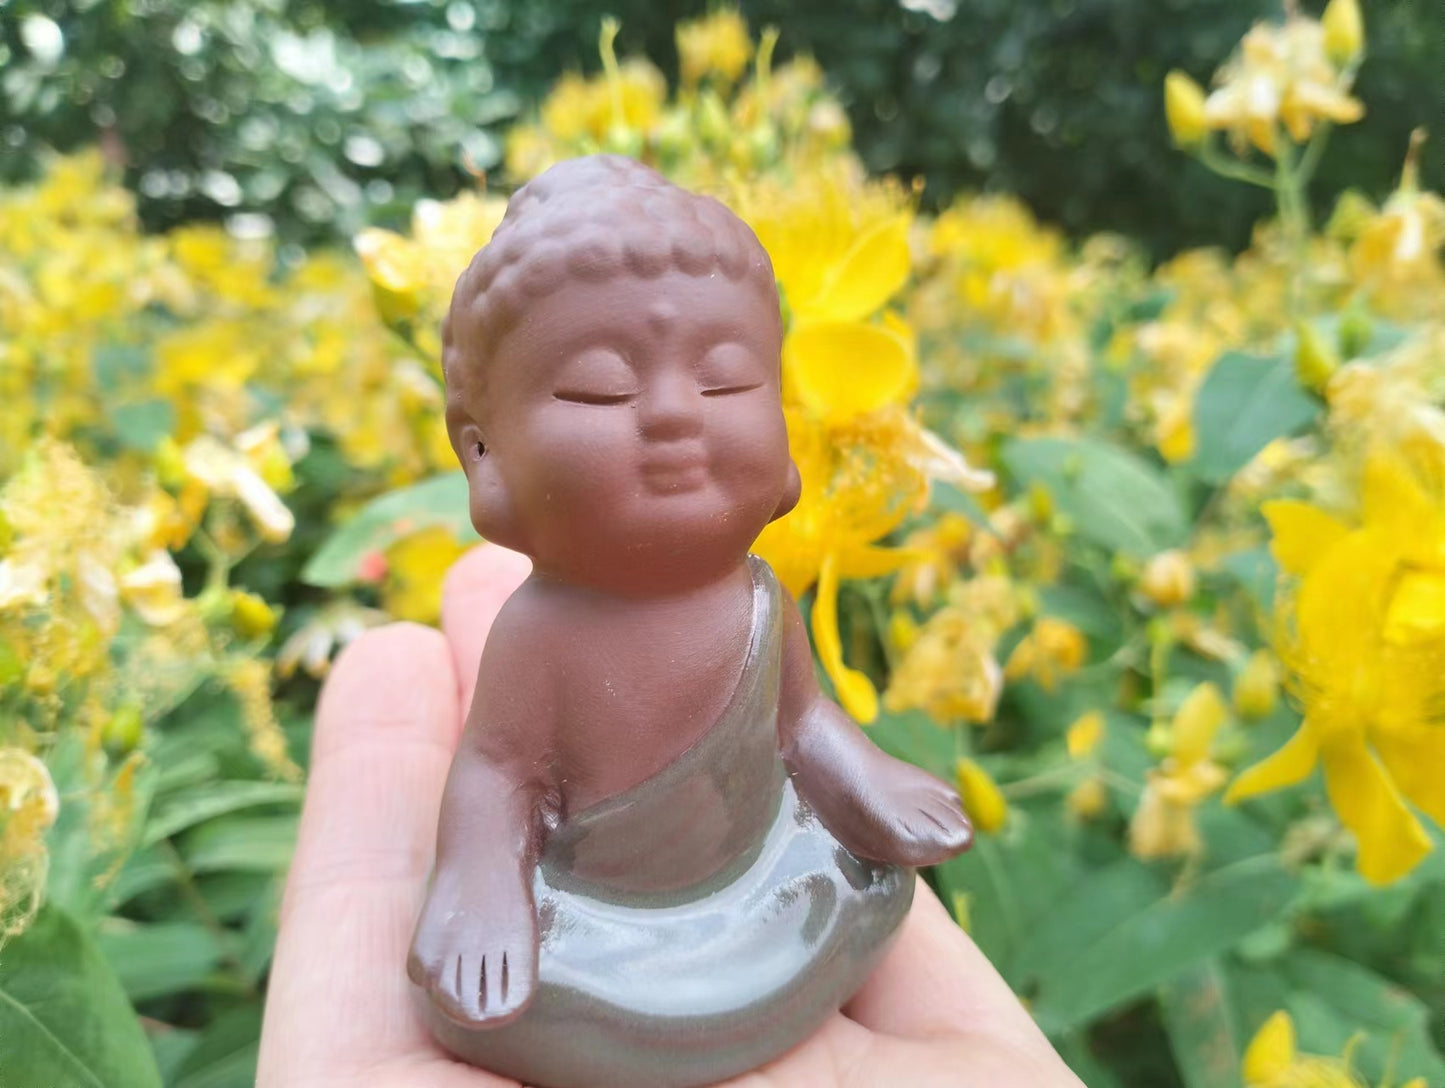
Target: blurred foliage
point(327, 116)
point(1151, 561)
point(268, 107)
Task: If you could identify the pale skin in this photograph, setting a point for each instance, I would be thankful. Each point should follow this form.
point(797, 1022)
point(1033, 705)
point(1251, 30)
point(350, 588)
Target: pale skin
point(635, 461)
point(338, 1011)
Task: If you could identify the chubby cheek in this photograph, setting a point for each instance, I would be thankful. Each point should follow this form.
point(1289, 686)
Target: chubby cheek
point(576, 458)
point(750, 454)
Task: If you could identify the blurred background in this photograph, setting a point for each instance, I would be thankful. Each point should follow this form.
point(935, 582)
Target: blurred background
point(1114, 370)
point(324, 117)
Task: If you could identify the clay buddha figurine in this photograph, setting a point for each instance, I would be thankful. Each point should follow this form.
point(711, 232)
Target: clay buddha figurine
point(664, 856)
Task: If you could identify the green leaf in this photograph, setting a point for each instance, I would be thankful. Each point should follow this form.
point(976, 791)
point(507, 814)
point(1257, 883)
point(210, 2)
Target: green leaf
point(1200, 1021)
point(171, 1046)
point(1332, 998)
point(250, 844)
point(64, 1019)
point(1113, 498)
point(216, 799)
point(155, 960)
point(225, 1054)
point(1009, 883)
point(1246, 402)
point(946, 498)
point(144, 871)
point(141, 425)
point(1090, 964)
point(1089, 913)
point(440, 501)
point(915, 738)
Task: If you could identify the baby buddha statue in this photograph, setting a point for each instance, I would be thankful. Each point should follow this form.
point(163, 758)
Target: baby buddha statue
point(664, 856)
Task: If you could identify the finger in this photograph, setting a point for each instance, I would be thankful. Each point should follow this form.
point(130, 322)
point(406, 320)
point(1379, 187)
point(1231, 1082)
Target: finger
point(477, 586)
point(935, 981)
point(382, 745)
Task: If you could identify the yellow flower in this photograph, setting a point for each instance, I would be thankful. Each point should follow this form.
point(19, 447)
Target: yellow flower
point(1282, 75)
point(1395, 251)
point(949, 671)
point(153, 589)
point(1085, 735)
point(310, 647)
point(416, 566)
point(1168, 579)
point(224, 471)
point(29, 805)
point(1363, 647)
point(982, 800)
point(840, 251)
point(1164, 823)
point(1184, 108)
point(1053, 649)
point(717, 45)
point(940, 548)
point(1273, 1061)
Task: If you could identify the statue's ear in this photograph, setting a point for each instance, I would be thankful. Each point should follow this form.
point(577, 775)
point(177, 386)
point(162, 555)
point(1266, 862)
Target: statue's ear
point(492, 511)
point(792, 491)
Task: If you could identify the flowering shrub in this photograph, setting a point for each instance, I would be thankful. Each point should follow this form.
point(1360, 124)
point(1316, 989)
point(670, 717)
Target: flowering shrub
point(1129, 553)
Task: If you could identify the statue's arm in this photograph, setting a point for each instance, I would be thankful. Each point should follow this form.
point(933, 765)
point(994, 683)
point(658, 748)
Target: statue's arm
point(475, 946)
point(877, 806)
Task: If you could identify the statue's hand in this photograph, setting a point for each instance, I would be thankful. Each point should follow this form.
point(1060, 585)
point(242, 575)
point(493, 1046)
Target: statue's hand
point(475, 948)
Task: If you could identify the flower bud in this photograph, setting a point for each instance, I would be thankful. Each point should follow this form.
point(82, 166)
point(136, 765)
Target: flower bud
point(251, 616)
point(1088, 799)
point(982, 799)
point(1256, 688)
point(170, 463)
point(1085, 735)
point(1184, 108)
point(1168, 579)
point(123, 732)
point(1344, 31)
point(1315, 361)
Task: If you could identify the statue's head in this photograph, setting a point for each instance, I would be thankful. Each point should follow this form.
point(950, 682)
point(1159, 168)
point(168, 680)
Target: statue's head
point(612, 362)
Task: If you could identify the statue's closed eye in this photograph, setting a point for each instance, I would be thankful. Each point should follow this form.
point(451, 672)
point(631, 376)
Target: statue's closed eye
point(583, 396)
point(727, 390)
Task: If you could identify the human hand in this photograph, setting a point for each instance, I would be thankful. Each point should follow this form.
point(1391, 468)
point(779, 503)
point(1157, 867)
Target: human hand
point(339, 1013)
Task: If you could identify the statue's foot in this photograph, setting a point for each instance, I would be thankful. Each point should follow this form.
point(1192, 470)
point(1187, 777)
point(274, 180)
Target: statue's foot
point(475, 951)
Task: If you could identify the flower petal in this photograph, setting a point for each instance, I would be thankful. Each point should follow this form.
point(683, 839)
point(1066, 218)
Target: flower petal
point(1417, 608)
point(870, 273)
point(982, 799)
point(1415, 759)
point(1199, 718)
point(856, 693)
point(1271, 1052)
point(841, 370)
point(1302, 533)
point(1288, 766)
point(1391, 840)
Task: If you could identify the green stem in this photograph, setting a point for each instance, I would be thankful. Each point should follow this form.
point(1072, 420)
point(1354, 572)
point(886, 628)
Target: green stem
point(192, 895)
point(1294, 215)
point(1238, 171)
point(1045, 781)
point(1311, 158)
